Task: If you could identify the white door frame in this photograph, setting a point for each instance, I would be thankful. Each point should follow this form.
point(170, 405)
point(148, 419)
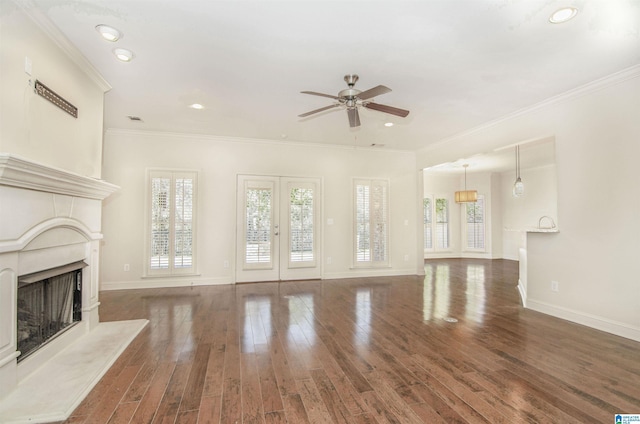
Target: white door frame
point(272, 258)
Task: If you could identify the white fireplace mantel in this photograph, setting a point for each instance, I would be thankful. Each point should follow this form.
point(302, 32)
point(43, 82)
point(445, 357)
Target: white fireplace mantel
point(22, 173)
point(49, 217)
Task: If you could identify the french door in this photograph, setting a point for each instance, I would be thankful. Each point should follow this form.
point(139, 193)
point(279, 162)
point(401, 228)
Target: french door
point(278, 228)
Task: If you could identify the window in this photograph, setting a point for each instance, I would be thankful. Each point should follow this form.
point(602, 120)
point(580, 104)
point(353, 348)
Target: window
point(442, 223)
point(427, 207)
point(436, 231)
point(371, 238)
point(475, 224)
point(171, 229)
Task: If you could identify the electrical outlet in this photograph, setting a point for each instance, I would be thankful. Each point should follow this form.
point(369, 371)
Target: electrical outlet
point(406, 258)
point(555, 286)
point(328, 259)
point(226, 264)
point(127, 268)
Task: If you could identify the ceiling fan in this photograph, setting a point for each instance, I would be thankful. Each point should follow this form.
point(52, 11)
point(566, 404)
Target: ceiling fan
point(351, 99)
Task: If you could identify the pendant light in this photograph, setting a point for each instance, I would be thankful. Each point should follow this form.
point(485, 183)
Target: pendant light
point(466, 196)
point(518, 186)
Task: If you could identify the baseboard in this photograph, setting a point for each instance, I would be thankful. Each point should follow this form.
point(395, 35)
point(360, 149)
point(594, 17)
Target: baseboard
point(153, 283)
point(593, 321)
point(523, 293)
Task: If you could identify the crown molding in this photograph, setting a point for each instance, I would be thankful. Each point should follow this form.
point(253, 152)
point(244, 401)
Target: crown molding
point(591, 87)
point(245, 140)
point(22, 173)
point(44, 23)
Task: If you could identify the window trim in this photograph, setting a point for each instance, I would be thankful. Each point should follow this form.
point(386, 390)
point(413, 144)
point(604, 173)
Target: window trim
point(171, 271)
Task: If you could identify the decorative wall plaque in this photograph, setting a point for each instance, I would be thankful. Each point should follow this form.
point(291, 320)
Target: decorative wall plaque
point(54, 98)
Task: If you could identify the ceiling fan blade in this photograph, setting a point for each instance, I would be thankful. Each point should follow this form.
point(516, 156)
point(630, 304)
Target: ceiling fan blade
point(313, 93)
point(373, 92)
point(387, 109)
point(354, 117)
point(317, 110)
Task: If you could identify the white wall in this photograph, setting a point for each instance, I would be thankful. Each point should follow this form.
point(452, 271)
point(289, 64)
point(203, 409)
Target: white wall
point(594, 257)
point(128, 154)
point(523, 213)
point(32, 127)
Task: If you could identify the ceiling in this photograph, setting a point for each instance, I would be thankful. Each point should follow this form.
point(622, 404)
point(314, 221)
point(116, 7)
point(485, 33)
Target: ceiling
point(454, 64)
point(533, 154)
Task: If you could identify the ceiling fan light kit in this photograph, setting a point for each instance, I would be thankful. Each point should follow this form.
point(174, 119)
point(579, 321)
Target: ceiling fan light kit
point(352, 99)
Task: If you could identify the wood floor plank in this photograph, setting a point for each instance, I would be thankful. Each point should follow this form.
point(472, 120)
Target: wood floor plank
point(153, 396)
point(252, 410)
point(168, 407)
point(209, 411)
point(313, 404)
point(123, 413)
point(294, 409)
point(335, 407)
point(275, 417)
point(360, 350)
point(109, 403)
point(195, 383)
point(271, 399)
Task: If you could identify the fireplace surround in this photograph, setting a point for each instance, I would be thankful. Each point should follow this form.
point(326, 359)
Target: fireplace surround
point(49, 218)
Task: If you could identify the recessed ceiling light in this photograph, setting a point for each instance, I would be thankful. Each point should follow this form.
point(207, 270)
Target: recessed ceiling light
point(123, 55)
point(197, 106)
point(108, 33)
point(563, 15)
point(388, 124)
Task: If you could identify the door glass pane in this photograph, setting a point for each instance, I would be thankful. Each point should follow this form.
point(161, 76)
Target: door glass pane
point(160, 222)
point(301, 225)
point(258, 225)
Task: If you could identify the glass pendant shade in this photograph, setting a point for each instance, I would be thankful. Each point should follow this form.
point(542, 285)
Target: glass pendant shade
point(518, 187)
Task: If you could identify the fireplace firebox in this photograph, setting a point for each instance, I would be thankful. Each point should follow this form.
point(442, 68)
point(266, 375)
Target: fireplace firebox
point(49, 303)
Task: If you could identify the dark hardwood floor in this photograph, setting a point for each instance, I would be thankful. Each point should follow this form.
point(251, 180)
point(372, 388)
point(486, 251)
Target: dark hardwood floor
point(370, 350)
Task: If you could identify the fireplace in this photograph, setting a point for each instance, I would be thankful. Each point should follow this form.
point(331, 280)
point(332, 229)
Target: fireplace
point(49, 303)
point(50, 235)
